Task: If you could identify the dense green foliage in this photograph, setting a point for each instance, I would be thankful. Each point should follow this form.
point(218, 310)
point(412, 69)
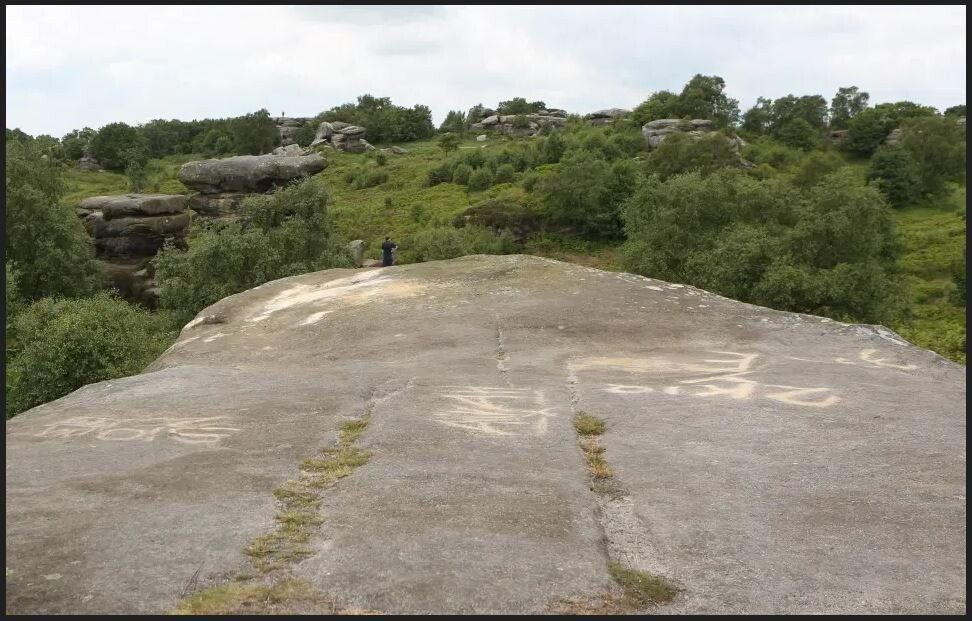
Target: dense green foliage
point(446, 242)
point(701, 98)
point(680, 153)
point(44, 242)
point(385, 122)
point(828, 250)
point(63, 344)
point(895, 172)
point(283, 234)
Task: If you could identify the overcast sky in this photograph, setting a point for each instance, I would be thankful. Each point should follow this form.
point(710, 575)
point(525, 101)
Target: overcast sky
point(75, 66)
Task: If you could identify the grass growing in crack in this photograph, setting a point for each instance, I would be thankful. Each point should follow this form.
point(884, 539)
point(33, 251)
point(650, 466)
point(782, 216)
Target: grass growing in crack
point(245, 599)
point(300, 500)
point(589, 427)
point(640, 588)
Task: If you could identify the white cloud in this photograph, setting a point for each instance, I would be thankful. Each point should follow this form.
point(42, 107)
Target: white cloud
point(74, 66)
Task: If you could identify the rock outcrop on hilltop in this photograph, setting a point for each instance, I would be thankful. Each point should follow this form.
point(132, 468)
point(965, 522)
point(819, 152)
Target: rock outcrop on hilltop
point(515, 124)
point(608, 116)
point(342, 137)
point(128, 230)
point(656, 131)
point(763, 461)
point(289, 127)
point(223, 184)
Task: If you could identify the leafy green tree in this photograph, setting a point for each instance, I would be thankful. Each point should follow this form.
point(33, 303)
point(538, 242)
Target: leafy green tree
point(955, 111)
point(75, 142)
point(519, 105)
point(449, 143)
point(703, 98)
point(937, 144)
point(44, 241)
point(585, 193)
point(461, 174)
point(254, 133)
point(846, 104)
point(798, 134)
point(18, 135)
point(659, 105)
point(894, 171)
point(384, 121)
point(504, 174)
point(552, 149)
point(757, 119)
point(828, 250)
point(113, 141)
point(64, 344)
point(815, 167)
point(455, 122)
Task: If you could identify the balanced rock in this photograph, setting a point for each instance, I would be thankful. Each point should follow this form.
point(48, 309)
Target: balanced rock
point(607, 116)
point(765, 462)
point(248, 173)
point(135, 205)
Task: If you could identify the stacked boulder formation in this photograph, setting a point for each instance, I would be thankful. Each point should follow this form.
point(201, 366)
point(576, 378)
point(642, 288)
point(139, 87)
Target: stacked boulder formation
point(342, 137)
point(516, 124)
point(128, 230)
point(288, 127)
point(606, 117)
point(223, 184)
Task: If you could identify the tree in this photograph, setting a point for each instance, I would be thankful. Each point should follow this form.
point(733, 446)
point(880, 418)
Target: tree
point(846, 104)
point(112, 141)
point(45, 242)
point(75, 142)
point(894, 171)
point(828, 250)
point(519, 105)
point(955, 111)
point(659, 105)
point(455, 122)
point(757, 119)
point(798, 134)
point(254, 134)
point(868, 129)
point(449, 143)
point(702, 98)
point(937, 144)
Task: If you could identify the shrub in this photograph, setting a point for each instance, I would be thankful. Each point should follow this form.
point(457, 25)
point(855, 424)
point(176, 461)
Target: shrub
point(894, 172)
point(499, 215)
point(447, 243)
point(480, 179)
point(441, 173)
point(680, 153)
point(380, 158)
point(65, 344)
point(828, 250)
point(815, 167)
point(365, 177)
point(449, 142)
point(504, 174)
point(44, 241)
point(461, 174)
point(586, 193)
point(286, 233)
point(112, 141)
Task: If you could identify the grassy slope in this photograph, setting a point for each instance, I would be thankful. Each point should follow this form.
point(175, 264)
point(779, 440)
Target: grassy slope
point(932, 236)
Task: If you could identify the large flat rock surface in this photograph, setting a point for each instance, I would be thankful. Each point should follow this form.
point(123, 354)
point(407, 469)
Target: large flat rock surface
point(766, 462)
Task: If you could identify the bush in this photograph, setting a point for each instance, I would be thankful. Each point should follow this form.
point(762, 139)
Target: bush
point(449, 142)
point(827, 251)
point(680, 153)
point(284, 234)
point(65, 344)
point(441, 173)
point(480, 179)
point(45, 243)
point(815, 167)
point(894, 172)
point(461, 174)
point(937, 145)
point(380, 158)
point(504, 174)
point(113, 141)
point(385, 122)
point(585, 193)
point(448, 243)
point(365, 177)
point(500, 215)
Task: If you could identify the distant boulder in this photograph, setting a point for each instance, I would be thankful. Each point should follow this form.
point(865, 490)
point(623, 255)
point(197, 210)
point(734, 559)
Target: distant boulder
point(127, 205)
point(291, 150)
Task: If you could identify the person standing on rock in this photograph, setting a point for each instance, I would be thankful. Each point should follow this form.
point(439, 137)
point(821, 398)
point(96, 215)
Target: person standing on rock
point(388, 248)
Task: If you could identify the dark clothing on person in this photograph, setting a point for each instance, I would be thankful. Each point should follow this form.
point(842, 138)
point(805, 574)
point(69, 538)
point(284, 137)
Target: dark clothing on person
point(387, 258)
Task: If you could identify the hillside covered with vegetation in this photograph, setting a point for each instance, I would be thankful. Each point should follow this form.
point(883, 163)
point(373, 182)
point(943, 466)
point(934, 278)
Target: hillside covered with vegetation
point(843, 209)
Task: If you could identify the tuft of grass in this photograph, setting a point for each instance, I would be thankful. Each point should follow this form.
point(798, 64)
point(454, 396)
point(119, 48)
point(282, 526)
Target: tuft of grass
point(226, 599)
point(641, 589)
point(588, 425)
